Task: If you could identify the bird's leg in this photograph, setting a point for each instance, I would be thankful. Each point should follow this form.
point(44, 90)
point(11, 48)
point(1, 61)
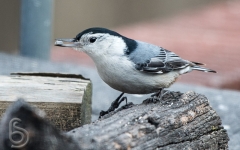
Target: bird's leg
point(157, 94)
point(114, 105)
point(156, 97)
point(162, 93)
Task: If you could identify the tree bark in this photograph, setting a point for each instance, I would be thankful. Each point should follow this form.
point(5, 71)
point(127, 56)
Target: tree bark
point(178, 121)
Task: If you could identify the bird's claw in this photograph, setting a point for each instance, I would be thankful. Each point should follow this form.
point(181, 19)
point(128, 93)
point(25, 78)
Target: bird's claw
point(151, 100)
point(157, 97)
point(128, 105)
point(114, 105)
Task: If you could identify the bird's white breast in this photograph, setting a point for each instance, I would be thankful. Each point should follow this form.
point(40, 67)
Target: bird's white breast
point(120, 74)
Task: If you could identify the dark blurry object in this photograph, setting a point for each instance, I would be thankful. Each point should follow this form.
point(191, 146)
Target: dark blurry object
point(36, 133)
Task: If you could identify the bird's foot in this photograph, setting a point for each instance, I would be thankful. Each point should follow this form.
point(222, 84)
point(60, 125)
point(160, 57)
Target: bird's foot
point(115, 104)
point(158, 96)
point(127, 105)
point(170, 95)
point(151, 100)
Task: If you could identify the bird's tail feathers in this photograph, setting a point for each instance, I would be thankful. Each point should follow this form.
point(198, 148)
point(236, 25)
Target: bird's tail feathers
point(198, 63)
point(203, 69)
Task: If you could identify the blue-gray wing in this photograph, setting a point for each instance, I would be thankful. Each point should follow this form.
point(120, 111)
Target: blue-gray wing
point(165, 61)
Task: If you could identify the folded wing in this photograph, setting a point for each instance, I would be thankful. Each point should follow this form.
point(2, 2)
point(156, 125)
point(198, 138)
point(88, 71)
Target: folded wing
point(164, 62)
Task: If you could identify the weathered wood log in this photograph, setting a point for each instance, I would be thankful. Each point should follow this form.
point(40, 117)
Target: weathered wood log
point(179, 121)
point(65, 98)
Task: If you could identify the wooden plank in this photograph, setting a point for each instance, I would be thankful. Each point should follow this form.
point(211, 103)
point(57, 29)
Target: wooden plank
point(59, 95)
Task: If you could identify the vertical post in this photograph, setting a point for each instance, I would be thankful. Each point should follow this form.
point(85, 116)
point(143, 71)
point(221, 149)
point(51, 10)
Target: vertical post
point(36, 28)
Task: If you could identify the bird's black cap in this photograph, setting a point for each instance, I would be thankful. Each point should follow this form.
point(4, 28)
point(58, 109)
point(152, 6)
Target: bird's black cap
point(97, 30)
point(131, 44)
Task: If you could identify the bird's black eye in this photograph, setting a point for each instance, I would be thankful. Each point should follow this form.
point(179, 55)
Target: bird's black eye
point(92, 39)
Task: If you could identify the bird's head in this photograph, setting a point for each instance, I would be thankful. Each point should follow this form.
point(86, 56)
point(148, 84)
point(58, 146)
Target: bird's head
point(99, 42)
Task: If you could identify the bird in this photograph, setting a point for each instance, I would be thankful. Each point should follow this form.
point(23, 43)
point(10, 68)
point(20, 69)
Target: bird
point(129, 65)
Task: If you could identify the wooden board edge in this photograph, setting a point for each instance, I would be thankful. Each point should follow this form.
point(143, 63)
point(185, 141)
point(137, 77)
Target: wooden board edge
point(86, 110)
point(47, 74)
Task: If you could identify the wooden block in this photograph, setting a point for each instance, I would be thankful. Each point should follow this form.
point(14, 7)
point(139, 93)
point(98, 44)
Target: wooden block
point(65, 98)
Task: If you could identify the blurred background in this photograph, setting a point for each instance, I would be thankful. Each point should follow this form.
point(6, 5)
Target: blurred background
point(203, 31)
point(197, 30)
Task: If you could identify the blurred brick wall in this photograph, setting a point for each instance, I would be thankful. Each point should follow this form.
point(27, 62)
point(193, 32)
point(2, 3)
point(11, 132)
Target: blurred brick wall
point(210, 35)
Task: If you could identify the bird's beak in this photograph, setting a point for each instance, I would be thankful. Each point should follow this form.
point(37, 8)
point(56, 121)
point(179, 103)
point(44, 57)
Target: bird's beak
point(67, 43)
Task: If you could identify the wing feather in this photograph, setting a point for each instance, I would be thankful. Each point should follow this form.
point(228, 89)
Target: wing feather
point(164, 62)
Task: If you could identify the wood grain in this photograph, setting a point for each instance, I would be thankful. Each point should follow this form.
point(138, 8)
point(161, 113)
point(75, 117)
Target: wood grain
point(59, 95)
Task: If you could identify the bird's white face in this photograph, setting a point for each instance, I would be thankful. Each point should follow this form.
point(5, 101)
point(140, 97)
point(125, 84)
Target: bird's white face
point(100, 45)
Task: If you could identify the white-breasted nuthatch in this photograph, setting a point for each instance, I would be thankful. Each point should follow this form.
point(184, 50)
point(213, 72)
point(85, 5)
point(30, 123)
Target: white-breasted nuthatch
point(128, 65)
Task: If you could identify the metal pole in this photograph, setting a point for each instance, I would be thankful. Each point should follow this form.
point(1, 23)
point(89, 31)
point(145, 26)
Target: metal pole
point(36, 28)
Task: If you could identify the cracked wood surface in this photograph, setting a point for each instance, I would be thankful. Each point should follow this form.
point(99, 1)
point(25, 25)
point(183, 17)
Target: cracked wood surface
point(179, 121)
